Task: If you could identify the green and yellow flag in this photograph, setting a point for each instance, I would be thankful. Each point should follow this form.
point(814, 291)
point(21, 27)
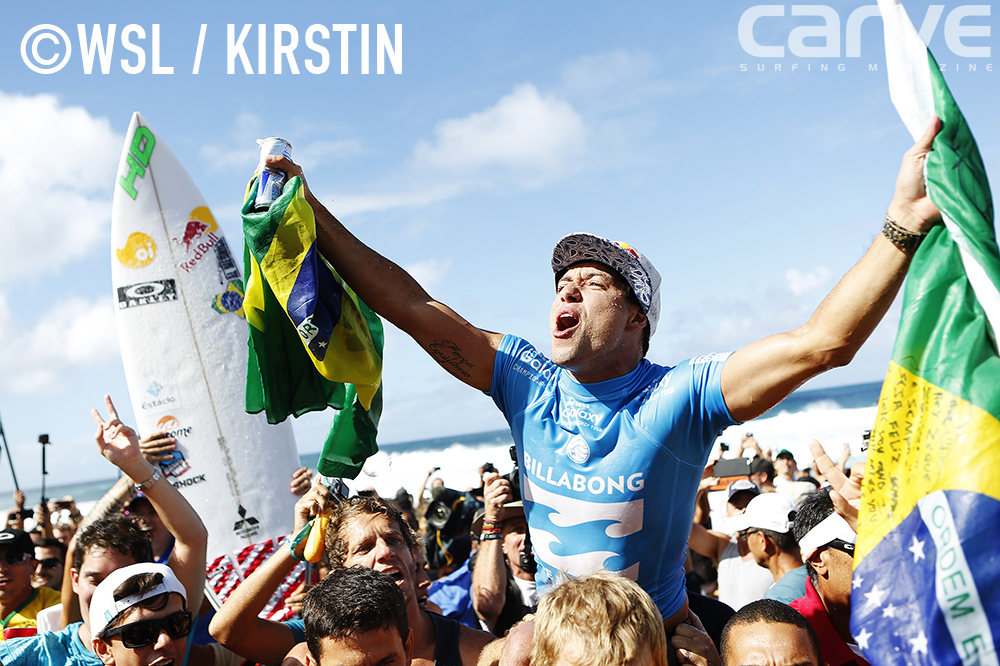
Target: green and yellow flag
point(927, 567)
point(313, 343)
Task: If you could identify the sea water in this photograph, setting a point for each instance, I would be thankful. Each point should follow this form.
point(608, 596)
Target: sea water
point(833, 416)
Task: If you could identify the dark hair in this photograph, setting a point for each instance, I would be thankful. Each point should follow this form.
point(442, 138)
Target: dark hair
point(813, 510)
point(53, 543)
point(353, 507)
point(117, 532)
point(770, 611)
point(785, 541)
point(350, 602)
point(137, 585)
point(762, 465)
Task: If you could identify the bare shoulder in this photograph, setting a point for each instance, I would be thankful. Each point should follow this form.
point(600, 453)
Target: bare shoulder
point(471, 644)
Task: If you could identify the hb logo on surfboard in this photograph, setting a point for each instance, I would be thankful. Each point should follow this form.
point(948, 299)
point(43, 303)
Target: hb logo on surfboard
point(137, 159)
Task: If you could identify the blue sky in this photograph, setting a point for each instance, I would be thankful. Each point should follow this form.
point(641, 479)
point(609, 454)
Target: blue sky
point(510, 125)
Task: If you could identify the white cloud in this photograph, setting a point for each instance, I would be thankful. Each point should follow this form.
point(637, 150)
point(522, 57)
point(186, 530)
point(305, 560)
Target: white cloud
point(56, 178)
point(347, 204)
point(525, 139)
point(536, 137)
point(595, 76)
point(801, 283)
point(72, 334)
point(429, 273)
point(235, 150)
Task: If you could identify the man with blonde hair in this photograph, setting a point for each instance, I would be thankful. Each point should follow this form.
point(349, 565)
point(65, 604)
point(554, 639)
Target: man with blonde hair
point(606, 620)
point(600, 619)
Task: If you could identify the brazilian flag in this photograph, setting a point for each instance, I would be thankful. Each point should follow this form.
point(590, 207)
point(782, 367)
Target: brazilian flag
point(313, 343)
point(926, 586)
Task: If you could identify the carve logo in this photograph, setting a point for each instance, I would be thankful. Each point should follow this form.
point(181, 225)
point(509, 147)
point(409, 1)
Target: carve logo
point(139, 251)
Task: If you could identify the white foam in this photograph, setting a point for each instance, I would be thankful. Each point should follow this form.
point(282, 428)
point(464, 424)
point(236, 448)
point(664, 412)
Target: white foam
point(832, 426)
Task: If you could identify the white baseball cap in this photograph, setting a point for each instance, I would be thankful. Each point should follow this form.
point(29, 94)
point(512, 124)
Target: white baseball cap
point(104, 607)
point(767, 511)
point(631, 264)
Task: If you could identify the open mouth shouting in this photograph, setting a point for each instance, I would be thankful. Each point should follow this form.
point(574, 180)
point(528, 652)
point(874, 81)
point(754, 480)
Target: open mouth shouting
point(565, 323)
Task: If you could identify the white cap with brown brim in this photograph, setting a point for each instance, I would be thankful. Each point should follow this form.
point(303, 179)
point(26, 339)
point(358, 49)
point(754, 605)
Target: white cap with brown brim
point(104, 607)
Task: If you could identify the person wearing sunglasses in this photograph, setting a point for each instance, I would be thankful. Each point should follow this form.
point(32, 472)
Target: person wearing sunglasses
point(826, 543)
point(20, 603)
point(138, 615)
point(51, 556)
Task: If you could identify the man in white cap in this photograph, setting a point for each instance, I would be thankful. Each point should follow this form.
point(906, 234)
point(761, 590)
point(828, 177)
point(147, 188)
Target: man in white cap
point(740, 579)
point(611, 446)
point(138, 615)
point(827, 544)
point(766, 529)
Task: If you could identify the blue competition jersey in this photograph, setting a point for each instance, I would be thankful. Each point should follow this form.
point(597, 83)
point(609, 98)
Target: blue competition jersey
point(610, 470)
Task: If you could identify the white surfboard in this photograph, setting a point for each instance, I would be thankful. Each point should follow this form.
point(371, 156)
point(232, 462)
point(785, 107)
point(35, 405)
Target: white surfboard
point(179, 293)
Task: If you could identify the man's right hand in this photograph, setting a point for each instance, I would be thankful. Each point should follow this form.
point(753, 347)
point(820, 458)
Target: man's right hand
point(497, 492)
point(311, 504)
point(157, 446)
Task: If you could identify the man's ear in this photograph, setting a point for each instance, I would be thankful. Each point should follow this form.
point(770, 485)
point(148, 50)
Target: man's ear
point(408, 646)
point(74, 576)
point(639, 320)
point(103, 651)
point(769, 546)
point(818, 561)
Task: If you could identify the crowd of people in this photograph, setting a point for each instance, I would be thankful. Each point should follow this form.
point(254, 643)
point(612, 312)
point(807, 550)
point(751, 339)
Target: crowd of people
point(581, 557)
point(378, 598)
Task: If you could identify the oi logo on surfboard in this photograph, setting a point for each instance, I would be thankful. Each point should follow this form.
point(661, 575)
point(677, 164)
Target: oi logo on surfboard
point(139, 250)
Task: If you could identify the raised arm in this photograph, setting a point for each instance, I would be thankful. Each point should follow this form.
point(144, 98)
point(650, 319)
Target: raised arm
point(761, 374)
point(120, 444)
point(489, 577)
point(237, 625)
point(708, 542)
point(459, 347)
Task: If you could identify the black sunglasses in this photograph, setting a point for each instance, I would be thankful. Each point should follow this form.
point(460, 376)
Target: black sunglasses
point(842, 546)
point(49, 562)
point(145, 632)
point(15, 556)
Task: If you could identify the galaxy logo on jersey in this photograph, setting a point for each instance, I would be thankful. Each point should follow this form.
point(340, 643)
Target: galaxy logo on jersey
point(536, 362)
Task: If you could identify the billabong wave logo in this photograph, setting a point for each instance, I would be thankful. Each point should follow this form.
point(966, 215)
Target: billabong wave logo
point(578, 450)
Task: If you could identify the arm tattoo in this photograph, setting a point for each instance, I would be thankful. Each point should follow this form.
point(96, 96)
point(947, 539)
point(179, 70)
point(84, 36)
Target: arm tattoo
point(449, 355)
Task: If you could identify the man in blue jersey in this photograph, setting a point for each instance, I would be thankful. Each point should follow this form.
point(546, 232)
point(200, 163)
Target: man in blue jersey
point(612, 446)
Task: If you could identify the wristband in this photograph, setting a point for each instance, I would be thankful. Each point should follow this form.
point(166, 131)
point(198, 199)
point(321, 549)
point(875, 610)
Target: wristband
point(490, 524)
point(905, 240)
point(148, 483)
point(491, 536)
